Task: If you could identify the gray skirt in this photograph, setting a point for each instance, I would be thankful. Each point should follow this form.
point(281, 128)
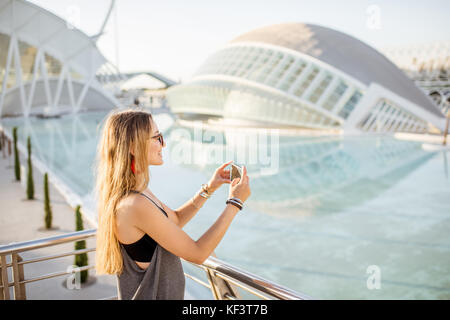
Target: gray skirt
point(162, 280)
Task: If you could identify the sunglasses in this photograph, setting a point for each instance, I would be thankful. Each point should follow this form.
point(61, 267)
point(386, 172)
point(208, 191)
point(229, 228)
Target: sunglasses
point(160, 138)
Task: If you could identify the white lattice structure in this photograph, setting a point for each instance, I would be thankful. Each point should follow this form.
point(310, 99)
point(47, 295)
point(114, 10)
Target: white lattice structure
point(428, 65)
point(310, 76)
point(46, 65)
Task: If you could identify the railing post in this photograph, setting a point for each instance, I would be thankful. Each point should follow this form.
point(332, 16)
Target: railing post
point(4, 279)
point(219, 287)
point(18, 275)
point(214, 289)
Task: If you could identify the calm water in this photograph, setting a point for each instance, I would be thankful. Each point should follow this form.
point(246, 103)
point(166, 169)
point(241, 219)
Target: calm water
point(332, 210)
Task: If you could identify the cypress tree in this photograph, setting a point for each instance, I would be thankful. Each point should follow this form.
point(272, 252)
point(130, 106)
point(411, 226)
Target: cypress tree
point(16, 155)
point(47, 207)
point(30, 182)
point(81, 259)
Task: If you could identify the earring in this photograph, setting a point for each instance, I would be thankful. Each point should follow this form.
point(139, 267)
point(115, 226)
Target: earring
point(132, 166)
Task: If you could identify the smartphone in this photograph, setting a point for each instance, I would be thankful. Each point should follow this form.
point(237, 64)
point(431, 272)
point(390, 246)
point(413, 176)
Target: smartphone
point(235, 172)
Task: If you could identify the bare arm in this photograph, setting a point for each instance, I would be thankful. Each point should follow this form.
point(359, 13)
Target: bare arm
point(188, 210)
point(171, 237)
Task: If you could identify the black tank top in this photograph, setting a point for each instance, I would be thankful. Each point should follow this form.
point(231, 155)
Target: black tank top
point(142, 250)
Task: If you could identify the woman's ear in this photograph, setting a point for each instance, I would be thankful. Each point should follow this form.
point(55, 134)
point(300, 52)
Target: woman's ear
point(132, 150)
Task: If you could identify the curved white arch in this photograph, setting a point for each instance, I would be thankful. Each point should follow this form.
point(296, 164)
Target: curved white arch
point(52, 38)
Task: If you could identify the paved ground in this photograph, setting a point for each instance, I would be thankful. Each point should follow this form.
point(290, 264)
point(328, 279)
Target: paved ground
point(22, 220)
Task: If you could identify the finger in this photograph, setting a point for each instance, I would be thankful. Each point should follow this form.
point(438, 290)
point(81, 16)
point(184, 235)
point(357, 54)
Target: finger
point(225, 173)
point(225, 164)
point(244, 173)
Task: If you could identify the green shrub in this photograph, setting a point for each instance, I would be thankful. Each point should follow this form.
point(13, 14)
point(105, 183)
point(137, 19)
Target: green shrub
point(81, 259)
point(47, 206)
point(30, 182)
point(16, 155)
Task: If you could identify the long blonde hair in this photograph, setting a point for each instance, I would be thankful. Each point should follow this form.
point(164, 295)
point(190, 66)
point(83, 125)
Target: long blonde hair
point(122, 132)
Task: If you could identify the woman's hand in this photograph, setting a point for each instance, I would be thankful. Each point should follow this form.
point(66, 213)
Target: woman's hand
point(219, 177)
point(240, 187)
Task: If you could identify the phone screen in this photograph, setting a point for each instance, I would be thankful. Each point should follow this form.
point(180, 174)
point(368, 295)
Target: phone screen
point(235, 172)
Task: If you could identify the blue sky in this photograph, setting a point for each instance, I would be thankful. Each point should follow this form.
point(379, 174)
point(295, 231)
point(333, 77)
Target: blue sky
point(173, 37)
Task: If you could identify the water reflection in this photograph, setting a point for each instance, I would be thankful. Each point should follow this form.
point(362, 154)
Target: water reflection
point(314, 174)
point(66, 146)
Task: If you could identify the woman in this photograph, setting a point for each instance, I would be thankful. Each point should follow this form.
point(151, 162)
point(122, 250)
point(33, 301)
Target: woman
point(139, 238)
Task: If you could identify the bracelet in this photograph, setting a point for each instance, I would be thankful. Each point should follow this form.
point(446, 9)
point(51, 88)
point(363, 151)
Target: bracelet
point(238, 200)
point(205, 195)
point(234, 203)
point(205, 188)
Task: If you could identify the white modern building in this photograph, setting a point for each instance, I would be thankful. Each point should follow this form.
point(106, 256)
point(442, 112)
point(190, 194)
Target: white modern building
point(47, 66)
point(307, 76)
point(428, 65)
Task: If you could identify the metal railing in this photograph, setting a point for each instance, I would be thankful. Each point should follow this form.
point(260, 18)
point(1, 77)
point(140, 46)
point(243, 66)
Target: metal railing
point(222, 278)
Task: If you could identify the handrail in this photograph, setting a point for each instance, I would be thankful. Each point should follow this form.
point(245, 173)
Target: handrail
point(265, 286)
point(46, 242)
point(214, 268)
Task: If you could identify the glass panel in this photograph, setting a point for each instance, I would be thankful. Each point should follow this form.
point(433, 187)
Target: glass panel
point(52, 65)
point(4, 45)
point(11, 82)
point(315, 95)
point(306, 82)
point(301, 66)
point(75, 75)
point(350, 105)
point(334, 97)
point(27, 60)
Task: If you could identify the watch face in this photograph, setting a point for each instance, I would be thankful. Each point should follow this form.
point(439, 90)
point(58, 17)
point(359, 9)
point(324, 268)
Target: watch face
point(236, 172)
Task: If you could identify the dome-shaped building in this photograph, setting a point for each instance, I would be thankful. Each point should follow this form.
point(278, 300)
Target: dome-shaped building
point(305, 75)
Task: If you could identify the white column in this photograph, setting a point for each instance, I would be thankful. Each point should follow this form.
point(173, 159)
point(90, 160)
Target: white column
point(61, 79)
point(373, 118)
point(46, 83)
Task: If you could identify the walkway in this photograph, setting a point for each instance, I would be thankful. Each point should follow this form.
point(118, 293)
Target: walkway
point(22, 220)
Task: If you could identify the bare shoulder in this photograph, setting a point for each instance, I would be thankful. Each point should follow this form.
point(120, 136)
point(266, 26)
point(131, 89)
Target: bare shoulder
point(134, 208)
point(126, 217)
point(127, 206)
